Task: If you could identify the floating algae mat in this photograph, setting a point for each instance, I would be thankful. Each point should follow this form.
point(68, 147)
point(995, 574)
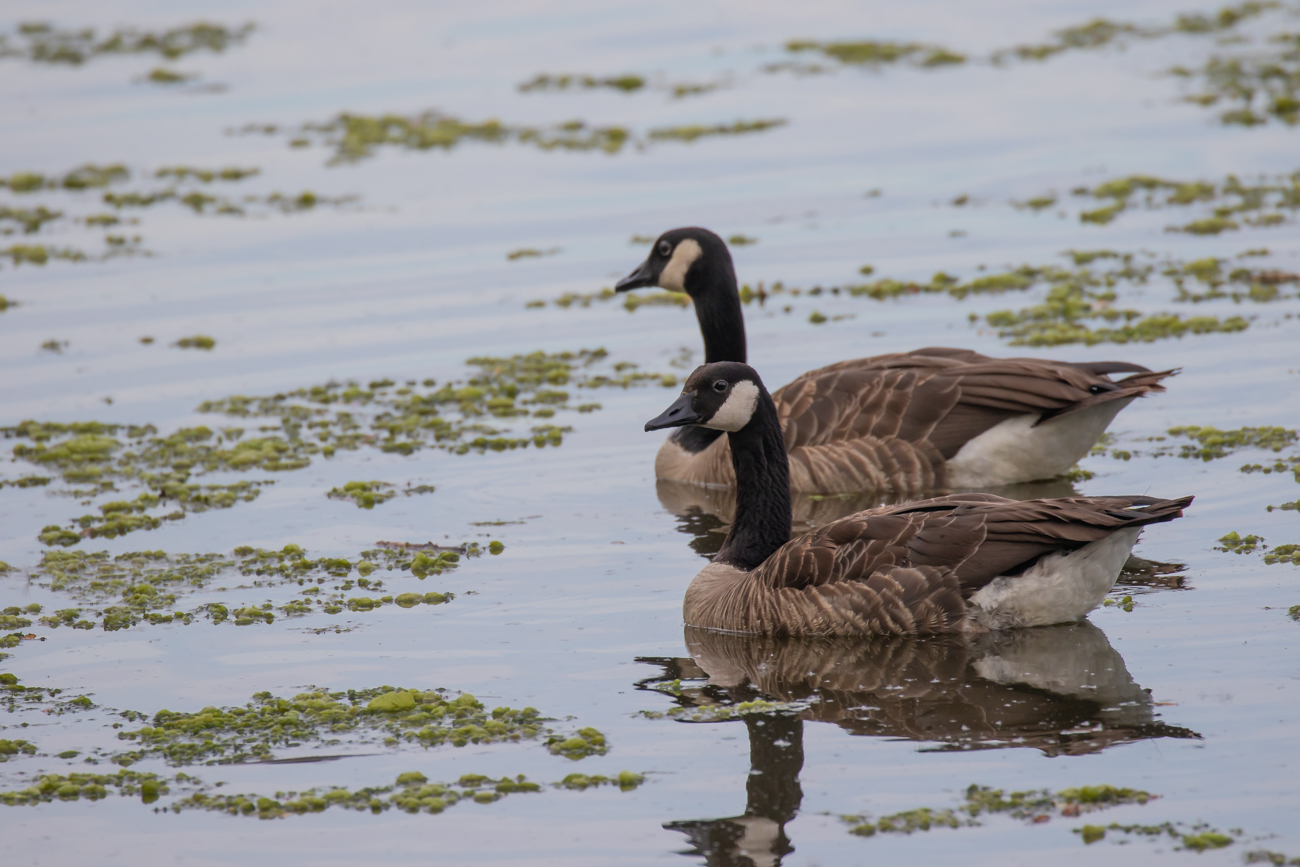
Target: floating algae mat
point(152, 587)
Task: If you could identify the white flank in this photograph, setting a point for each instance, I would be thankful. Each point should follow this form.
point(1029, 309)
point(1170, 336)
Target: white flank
point(1059, 587)
point(1016, 451)
point(673, 276)
point(738, 410)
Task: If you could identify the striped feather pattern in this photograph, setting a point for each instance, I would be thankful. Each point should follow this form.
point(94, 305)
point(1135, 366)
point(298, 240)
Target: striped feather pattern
point(889, 423)
point(905, 569)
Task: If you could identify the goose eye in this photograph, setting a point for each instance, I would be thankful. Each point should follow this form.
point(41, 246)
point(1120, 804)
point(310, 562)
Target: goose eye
point(720, 385)
point(665, 248)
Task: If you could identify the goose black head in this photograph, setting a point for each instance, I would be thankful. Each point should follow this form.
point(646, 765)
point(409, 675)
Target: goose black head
point(722, 396)
point(689, 260)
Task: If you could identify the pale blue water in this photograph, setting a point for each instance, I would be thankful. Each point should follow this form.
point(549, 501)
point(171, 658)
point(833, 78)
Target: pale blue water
point(413, 279)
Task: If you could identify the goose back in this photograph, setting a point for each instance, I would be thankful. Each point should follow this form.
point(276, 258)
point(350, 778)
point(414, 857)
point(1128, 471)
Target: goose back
point(910, 569)
point(900, 422)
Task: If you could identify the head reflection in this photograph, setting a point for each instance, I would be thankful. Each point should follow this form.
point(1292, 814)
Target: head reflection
point(1062, 690)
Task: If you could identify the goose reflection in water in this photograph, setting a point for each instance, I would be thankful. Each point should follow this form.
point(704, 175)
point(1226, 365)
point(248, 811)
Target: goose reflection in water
point(1060, 689)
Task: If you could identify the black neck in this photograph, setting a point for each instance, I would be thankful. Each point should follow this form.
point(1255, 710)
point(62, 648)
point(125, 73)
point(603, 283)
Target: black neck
point(762, 489)
point(712, 285)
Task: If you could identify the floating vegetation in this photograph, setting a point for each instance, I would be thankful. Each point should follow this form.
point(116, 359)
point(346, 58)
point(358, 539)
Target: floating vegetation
point(411, 792)
point(162, 75)
point(628, 83)
point(1212, 443)
point(198, 341)
point(1101, 32)
point(86, 177)
point(1035, 806)
point(741, 240)
point(39, 254)
point(266, 724)
point(206, 176)
point(146, 586)
point(15, 697)
point(1233, 202)
point(878, 53)
point(1252, 87)
point(354, 137)
point(42, 42)
point(530, 253)
point(722, 712)
point(1195, 838)
point(405, 419)
point(366, 495)
point(29, 219)
point(92, 787)
point(582, 743)
point(691, 133)
point(10, 749)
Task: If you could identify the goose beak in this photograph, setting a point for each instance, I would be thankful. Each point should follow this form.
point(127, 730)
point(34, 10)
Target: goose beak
point(641, 277)
point(679, 414)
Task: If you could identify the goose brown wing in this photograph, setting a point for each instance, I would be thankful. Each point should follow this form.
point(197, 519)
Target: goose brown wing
point(943, 397)
point(961, 541)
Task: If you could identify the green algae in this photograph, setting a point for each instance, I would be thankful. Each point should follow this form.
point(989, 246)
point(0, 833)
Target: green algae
point(1238, 544)
point(206, 176)
point(876, 53)
point(627, 83)
point(530, 253)
point(29, 219)
point(1289, 553)
point(15, 697)
point(451, 417)
point(88, 176)
point(626, 781)
point(355, 137)
point(366, 495)
point(89, 786)
point(725, 712)
point(266, 724)
point(1233, 202)
point(42, 42)
point(198, 341)
point(10, 749)
point(1033, 806)
point(1252, 87)
point(162, 75)
point(1195, 838)
point(579, 745)
point(693, 132)
point(1102, 32)
point(1212, 443)
point(1293, 506)
point(40, 254)
point(1266, 856)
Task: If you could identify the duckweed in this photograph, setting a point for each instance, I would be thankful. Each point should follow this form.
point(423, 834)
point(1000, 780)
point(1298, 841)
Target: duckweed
point(877, 53)
point(1250, 88)
point(1212, 443)
point(1032, 806)
point(366, 495)
point(1196, 838)
point(198, 341)
point(92, 787)
point(1283, 554)
point(1233, 202)
point(1101, 32)
point(628, 83)
point(1238, 544)
point(266, 724)
point(582, 743)
point(452, 417)
point(626, 781)
point(354, 137)
point(13, 748)
point(42, 42)
point(14, 697)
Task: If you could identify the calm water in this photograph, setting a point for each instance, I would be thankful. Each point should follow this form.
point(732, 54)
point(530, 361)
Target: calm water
point(1193, 695)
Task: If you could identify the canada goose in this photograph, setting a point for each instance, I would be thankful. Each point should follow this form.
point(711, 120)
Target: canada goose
point(959, 563)
point(923, 420)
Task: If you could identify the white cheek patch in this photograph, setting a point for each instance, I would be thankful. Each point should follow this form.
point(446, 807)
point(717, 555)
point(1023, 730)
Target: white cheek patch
point(673, 276)
point(738, 410)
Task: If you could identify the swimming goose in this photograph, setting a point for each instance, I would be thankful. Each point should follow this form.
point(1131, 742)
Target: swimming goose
point(959, 563)
point(913, 421)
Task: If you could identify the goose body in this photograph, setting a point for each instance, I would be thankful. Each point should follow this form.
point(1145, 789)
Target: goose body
point(922, 420)
point(958, 563)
